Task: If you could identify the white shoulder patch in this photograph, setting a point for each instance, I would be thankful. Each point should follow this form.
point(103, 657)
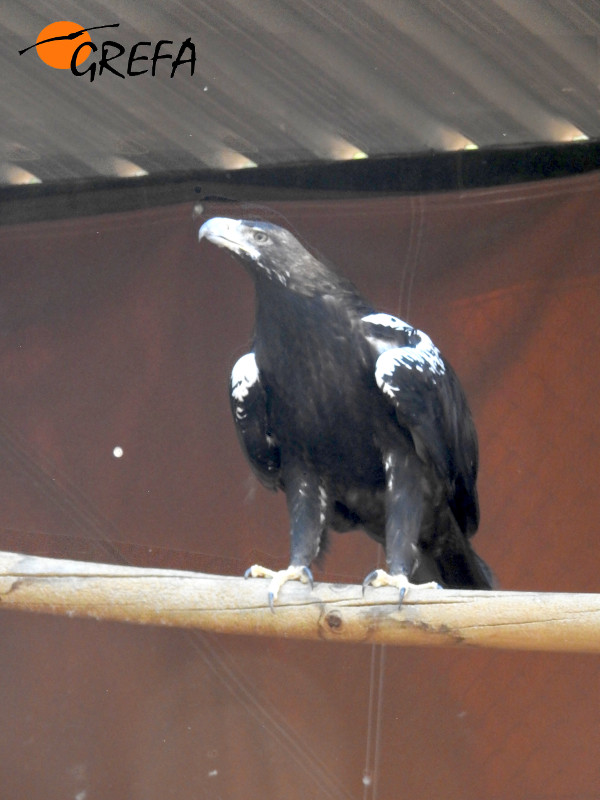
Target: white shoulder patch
point(381, 329)
point(244, 376)
point(386, 365)
point(420, 356)
point(423, 357)
point(387, 321)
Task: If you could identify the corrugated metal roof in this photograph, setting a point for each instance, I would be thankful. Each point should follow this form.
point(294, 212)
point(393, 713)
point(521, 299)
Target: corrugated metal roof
point(288, 82)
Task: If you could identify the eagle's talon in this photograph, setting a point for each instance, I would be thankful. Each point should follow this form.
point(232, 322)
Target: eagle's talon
point(379, 577)
point(369, 580)
point(300, 573)
point(308, 576)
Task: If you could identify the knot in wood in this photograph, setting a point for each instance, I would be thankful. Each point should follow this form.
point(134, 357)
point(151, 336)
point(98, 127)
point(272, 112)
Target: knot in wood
point(334, 620)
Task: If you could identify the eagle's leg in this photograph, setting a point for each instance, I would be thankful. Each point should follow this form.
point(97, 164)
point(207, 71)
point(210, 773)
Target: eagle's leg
point(307, 503)
point(404, 501)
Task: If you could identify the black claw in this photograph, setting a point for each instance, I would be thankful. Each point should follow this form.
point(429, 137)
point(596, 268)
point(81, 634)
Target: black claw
point(309, 576)
point(402, 593)
point(272, 602)
point(367, 581)
point(248, 573)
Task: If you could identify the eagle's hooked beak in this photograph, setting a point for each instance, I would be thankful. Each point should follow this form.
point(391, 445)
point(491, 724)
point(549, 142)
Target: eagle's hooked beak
point(216, 228)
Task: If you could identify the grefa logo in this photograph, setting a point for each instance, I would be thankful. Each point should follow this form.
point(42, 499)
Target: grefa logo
point(67, 45)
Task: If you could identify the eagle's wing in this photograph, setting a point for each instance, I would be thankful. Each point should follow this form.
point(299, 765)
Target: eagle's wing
point(429, 403)
point(250, 414)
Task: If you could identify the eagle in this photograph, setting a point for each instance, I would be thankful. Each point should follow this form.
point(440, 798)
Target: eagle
point(355, 416)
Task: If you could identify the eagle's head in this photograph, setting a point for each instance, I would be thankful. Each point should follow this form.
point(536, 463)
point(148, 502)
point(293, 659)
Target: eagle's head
point(268, 251)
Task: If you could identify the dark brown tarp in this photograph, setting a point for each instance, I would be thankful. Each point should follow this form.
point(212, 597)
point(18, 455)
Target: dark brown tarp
point(120, 331)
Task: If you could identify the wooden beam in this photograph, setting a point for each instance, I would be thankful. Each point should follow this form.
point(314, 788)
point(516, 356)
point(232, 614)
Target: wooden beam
point(330, 612)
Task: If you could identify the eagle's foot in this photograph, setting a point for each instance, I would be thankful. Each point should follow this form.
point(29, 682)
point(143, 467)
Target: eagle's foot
point(379, 577)
point(278, 578)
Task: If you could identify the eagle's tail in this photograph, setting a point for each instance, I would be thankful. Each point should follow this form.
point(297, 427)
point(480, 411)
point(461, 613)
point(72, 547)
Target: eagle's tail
point(464, 569)
point(453, 559)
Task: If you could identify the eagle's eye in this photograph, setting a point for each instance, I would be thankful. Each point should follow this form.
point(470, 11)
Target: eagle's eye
point(260, 237)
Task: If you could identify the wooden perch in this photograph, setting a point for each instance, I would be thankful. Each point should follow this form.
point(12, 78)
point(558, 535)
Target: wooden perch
point(331, 612)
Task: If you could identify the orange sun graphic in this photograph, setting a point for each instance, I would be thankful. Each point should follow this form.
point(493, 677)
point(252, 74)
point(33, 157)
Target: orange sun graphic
point(58, 54)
